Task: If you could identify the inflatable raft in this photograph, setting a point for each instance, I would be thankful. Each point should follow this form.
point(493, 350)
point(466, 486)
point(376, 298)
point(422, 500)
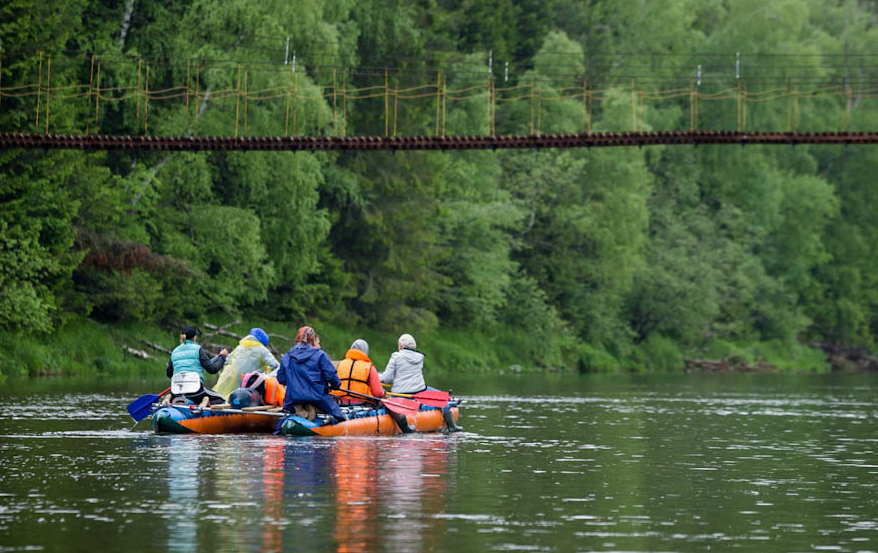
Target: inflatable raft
point(367, 421)
point(362, 421)
point(184, 419)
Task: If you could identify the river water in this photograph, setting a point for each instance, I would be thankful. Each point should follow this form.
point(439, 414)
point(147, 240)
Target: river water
point(635, 463)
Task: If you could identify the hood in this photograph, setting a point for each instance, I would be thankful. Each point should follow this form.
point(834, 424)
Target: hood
point(411, 355)
point(249, 342)
point(303, 352)
point(357, 355)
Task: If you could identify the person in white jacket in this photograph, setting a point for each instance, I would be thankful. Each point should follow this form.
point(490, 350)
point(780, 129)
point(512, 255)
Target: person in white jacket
point(251, 355)
point(405, 370)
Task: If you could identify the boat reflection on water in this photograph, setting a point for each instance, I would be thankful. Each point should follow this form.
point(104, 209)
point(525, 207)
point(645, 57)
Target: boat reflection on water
point(184, 456)
point(385, 488)
point(413, 486)
point(276, 494)
point(356, 465)
point(273, 492)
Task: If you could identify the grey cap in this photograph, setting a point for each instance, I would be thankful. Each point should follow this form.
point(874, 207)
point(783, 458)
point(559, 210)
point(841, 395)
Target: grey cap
point(360, 344)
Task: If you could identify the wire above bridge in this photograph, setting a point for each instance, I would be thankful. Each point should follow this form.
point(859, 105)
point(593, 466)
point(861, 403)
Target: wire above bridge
point(394, 143)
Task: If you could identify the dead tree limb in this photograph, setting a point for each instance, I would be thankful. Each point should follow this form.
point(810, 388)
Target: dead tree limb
point(158, 347)
point(222, 332)
point(139, 353)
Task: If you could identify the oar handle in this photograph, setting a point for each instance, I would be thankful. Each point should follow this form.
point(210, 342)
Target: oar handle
point(194, 408)
point(364, 396)
point(396, 405)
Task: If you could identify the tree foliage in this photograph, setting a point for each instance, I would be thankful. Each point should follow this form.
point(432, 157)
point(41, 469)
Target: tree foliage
point(613, 251)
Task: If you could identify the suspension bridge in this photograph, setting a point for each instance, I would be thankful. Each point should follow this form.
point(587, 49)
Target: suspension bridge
point(141, 94)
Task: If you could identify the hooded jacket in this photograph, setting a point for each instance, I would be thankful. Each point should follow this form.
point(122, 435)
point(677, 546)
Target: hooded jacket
point(308, 374)
point(249, 356)
point(405, 371)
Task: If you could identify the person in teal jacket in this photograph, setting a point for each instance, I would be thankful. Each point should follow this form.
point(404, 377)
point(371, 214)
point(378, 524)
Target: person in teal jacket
point(190, 357)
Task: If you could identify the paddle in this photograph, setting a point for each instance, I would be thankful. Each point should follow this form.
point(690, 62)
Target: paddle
point(279, 414)
point(141, 407)
point(433, 398)
point(400, 406)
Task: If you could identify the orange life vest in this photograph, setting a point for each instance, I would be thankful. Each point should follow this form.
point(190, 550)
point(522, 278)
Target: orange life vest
point(274, 392)
point(353, 371)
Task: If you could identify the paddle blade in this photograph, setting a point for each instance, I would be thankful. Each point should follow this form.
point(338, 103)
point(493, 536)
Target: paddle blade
point(141, 407)
point(433, 398)
point(401, 406)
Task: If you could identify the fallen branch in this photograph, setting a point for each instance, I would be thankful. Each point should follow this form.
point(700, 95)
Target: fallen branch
point(725, 365)
point(139, 353)
point(221, 330)
point(847, 357)
point(214, 349)
point(158, 347)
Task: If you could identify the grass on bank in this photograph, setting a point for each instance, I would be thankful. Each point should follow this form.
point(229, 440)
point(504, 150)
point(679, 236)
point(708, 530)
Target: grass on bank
point(86, 348)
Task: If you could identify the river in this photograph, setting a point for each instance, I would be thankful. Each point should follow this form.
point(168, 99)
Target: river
point(562, 463)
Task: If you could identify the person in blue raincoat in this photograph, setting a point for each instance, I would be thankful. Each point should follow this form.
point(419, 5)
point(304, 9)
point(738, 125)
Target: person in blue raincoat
point(308, 374)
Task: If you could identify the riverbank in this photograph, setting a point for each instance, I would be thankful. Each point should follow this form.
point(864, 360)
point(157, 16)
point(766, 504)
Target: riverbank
point(87, 348)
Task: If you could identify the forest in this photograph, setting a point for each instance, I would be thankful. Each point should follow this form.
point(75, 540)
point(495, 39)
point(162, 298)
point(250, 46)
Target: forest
point(589, 260)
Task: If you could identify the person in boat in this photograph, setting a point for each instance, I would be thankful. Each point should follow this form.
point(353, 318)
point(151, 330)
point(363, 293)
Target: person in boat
point(188, 361)
point(405, 373)
point(357, 374)
point(308, 374)
point(405, 369)
point(251, 355)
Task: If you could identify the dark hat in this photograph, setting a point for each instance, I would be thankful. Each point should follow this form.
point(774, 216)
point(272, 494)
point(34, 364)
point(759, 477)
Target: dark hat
point(190, 332)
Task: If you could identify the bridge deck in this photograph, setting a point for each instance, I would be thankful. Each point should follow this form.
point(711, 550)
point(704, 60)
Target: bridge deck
point(393, 143)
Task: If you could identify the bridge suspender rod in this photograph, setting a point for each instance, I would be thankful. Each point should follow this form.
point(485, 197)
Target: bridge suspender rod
point(295, 103)
point(137, 93)
point(531, 106)
point(98, 94)
point(146, 101)
point(444, 102)
point(584, 111)
point(246, 73)
point(287, 110)
point(188, 69)
point(39, 86)
point(237, 99)
point(48, 85)
point(438, 98)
